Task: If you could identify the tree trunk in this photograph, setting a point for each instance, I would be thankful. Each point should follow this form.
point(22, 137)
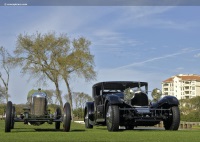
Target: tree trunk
point(70, 96)
point(59, 95)
point(6, 94)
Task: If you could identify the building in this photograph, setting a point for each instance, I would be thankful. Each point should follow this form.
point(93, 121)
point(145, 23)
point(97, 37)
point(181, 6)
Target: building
point(182, 86)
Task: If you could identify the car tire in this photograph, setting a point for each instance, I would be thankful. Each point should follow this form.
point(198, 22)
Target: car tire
point(173, 121)
point(112, 117)
point(58, 115)
point(8, 117)
point(67, 117)
point(87, 124)
point(12, 118)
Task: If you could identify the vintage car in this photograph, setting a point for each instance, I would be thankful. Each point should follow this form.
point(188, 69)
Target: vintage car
point(126, 104)
point(37, 113)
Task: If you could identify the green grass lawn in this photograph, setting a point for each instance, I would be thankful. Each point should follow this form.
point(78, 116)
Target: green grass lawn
point(47, 133)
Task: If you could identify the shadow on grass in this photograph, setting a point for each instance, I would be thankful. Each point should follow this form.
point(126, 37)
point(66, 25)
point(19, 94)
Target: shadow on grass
point(48, 130)
point(135, 129)
point(100, 128)
point(60, 130)
point(77, 130)
point(17, 130)
point(105, 129)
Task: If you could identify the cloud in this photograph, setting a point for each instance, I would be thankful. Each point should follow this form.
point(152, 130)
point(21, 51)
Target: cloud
point(110, 38)
point(197, 55)
point(145, 11)
point(134, 17)
point(158, 58)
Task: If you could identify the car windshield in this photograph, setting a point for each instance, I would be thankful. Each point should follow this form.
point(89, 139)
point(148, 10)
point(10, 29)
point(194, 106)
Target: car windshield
point(111, 90)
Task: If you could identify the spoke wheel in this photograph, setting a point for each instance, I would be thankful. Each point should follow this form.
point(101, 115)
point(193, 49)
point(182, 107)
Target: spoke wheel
point(8, 120)
point(58, 115)
point(87, 123)
point(173, 121)
point(12, 118)
point(67, 117)
point(112, 117)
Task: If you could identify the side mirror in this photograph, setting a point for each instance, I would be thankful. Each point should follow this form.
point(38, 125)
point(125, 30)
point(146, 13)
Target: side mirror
point(156, 94)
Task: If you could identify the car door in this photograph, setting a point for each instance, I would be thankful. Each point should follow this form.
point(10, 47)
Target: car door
point(99, 107)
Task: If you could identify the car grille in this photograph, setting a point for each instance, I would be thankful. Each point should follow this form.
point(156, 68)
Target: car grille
point(39, 106)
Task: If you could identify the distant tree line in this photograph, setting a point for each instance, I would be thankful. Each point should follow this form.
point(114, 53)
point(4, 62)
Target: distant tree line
point(190, 109)
point(79, 101)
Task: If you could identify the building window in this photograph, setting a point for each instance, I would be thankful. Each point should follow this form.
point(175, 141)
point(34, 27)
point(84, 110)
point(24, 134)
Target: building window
point(193, 93)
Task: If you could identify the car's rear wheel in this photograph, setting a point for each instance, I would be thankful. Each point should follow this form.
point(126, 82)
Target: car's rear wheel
point(67, 117)
point(112, 117)
point(13, 117)
point(173, 121)
point(87, 123)
point(8, 117)
point(58, 115)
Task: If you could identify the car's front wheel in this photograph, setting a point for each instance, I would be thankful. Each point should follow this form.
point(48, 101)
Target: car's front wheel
point(67, 117)
point(173, 121)
point(112, 117)
point(87, 120)
point(58, 115)
point(12, 118)
point(8, 120)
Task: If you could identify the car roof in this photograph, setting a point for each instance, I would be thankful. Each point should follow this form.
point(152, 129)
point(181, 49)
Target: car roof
point(119, 84)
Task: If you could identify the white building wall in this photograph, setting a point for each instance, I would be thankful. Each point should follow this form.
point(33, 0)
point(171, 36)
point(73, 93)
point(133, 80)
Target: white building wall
point(181, 89)
point(197, 88)
point(177, 87)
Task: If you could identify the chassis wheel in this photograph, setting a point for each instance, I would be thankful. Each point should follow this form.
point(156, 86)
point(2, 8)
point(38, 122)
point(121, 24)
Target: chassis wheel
point(112, 117)
point(87, 124)
point(66, 117)
point(173, 121)
point(8, 120)
point(12, 117)
point(58, 115)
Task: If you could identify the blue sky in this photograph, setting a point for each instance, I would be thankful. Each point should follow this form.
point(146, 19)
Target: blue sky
point(129, 43)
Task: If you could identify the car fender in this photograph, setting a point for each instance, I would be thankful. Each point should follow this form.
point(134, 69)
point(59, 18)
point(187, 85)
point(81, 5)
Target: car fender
point(90, 108)
point(166, 102)
point(113, 100)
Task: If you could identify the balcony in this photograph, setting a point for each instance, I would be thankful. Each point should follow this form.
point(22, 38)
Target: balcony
point(187, 88)
point(165, 84)
point(166, 89)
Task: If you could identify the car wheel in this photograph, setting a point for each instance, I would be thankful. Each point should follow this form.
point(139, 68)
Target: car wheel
point(87, 124)
point(58, 115)
point(12, 117)
point(112, 117)
point(8, 117)
point(67, 117)
point(173, 121)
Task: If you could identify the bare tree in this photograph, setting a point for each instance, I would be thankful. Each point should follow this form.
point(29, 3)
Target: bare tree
point(48, 56)
point(37, 55)
point(4, 55)
point(2, 94)
point(79, 61)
